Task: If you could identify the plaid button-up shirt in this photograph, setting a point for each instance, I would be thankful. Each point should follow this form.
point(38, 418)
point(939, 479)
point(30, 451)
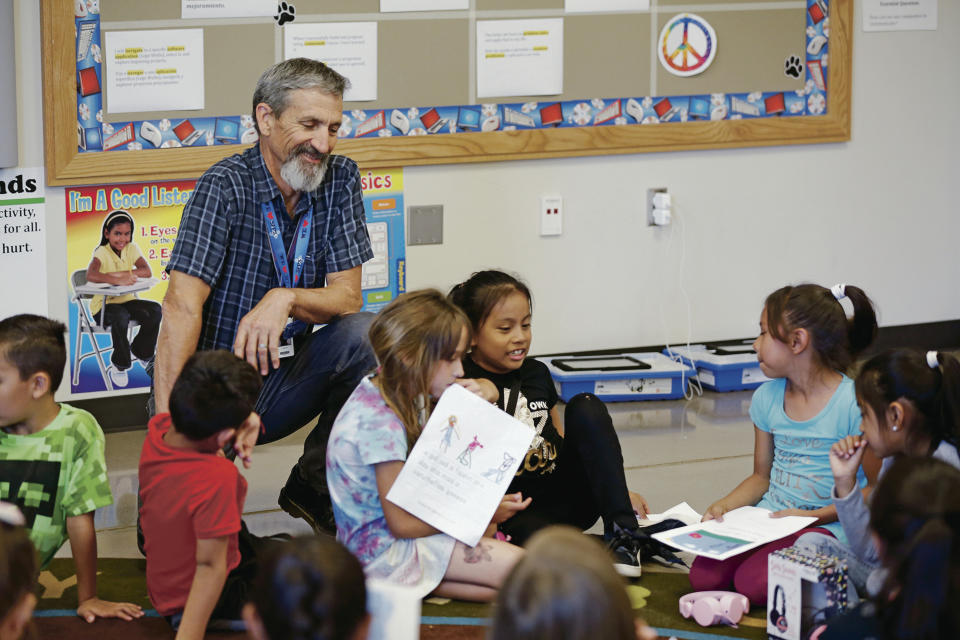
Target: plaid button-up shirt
point(223, 239)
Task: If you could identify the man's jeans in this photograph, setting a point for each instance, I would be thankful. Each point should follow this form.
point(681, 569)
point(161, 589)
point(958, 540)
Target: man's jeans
point(325, 369)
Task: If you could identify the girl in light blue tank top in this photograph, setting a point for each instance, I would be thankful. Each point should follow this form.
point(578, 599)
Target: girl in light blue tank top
point(806, 343)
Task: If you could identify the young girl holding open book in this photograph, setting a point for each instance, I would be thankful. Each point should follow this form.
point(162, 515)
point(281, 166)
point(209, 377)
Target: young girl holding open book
point(806, 343)
point(418, 339)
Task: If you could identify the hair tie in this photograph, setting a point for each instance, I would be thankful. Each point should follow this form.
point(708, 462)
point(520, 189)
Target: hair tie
point(933, 360)
point(839, 291)
point(10, 514)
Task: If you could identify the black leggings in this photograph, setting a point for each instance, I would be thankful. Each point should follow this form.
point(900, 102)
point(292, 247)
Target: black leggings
point(588, 482)
point(118, 317)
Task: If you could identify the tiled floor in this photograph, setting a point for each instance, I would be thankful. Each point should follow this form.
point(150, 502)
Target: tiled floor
point(673, 451)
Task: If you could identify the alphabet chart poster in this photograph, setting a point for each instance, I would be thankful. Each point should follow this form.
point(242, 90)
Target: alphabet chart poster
point(462, 464)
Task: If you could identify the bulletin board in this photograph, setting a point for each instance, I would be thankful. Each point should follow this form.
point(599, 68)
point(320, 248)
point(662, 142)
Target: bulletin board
point(616, 97)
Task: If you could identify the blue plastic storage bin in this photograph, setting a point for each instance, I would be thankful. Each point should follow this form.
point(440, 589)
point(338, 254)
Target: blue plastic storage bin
point(664, 380)
point(727, 372)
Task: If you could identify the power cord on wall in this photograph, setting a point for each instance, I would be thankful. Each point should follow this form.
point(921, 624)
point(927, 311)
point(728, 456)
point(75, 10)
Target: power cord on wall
point(692, 386)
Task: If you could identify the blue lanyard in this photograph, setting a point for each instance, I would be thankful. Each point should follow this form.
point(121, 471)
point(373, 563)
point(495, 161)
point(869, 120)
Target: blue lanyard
point(302, 239)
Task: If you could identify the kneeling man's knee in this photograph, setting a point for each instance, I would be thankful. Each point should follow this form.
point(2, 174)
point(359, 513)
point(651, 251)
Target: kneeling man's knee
point(354, 328)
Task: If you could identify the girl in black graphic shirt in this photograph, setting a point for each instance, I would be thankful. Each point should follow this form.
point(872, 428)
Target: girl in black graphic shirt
point(575, 474)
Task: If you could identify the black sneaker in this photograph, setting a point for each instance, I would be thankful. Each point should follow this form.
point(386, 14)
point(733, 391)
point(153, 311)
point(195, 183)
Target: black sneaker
point(626, 550)
point(301, 501)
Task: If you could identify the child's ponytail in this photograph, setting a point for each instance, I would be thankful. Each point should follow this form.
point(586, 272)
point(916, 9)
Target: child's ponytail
point(862, 327)
point(835, 339)
point(929, 381)
point(948, 426)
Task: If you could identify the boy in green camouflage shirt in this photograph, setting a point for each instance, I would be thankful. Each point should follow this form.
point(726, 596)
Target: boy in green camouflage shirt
point(52, 456)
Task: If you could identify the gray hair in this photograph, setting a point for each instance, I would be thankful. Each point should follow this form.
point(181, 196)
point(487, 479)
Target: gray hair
point(296, 73)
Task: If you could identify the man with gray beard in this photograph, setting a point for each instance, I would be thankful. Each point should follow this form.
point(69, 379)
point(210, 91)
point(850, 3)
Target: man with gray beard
point(270, 245)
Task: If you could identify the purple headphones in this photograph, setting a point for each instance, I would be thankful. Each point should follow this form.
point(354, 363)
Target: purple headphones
point(714, 607)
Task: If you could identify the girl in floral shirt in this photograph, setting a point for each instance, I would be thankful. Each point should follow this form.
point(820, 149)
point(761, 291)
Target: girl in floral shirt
point(419, 340)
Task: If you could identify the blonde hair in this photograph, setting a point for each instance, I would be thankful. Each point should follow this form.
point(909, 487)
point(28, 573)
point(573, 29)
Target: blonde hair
point(410, 336)
point(564, 588)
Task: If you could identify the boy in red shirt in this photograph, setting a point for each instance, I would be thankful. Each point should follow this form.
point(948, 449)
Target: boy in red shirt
point(192, 496)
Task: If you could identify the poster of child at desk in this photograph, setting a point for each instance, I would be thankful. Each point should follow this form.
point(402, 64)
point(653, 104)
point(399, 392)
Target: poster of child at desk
point(119, 239)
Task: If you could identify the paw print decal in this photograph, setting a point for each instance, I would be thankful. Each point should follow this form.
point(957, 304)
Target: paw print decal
point(286, 12)
point(791, 66)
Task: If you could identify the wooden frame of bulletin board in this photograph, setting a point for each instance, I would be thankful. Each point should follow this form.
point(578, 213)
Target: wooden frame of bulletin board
point(65, 165)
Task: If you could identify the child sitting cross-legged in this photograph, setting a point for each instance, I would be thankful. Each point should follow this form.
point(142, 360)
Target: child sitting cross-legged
point(52, 456)
point(199, 566)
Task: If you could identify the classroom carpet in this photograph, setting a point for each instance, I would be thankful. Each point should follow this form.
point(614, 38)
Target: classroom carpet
point(654, 597)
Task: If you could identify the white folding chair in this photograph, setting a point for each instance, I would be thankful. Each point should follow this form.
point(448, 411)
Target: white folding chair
point(87, 324)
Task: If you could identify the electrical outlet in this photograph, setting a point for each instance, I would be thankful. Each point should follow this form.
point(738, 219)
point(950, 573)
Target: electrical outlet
point(651, 221)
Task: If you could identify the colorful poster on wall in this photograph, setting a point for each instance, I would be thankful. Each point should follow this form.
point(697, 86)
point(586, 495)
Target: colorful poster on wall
point(155, 210)
point(384, 277)
point(111, 358)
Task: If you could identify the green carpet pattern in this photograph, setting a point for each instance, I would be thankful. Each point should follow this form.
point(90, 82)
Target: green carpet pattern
point(655, 596)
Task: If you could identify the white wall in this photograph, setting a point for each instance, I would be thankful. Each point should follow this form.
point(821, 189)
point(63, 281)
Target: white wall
point(877, 211)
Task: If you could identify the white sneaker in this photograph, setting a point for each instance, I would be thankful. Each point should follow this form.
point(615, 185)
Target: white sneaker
point(118, 376)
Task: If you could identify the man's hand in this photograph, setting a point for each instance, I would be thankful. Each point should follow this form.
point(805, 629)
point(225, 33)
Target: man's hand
point(94, 608)
point(512, 503)
point(258, 334)
point(845, 458)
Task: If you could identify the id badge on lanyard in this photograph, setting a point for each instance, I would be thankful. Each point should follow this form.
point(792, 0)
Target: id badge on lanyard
point(288, 272)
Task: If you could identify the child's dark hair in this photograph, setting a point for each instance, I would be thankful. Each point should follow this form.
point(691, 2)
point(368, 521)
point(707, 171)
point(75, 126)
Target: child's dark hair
point(34, 344)
point(310, 588)
point(915, 512)
point(410, 337)
point(482, 291)
point(934, 391)
point(216, 390)
point(564, 588)
point(18, 568)
point(835, 339)
point(113, 219)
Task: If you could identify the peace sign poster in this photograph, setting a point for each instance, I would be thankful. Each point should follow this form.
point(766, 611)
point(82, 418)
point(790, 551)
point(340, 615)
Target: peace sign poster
point(687, 45)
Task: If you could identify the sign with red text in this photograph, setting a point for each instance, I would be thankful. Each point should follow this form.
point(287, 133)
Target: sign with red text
point(155, 208)
point(384, 276)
